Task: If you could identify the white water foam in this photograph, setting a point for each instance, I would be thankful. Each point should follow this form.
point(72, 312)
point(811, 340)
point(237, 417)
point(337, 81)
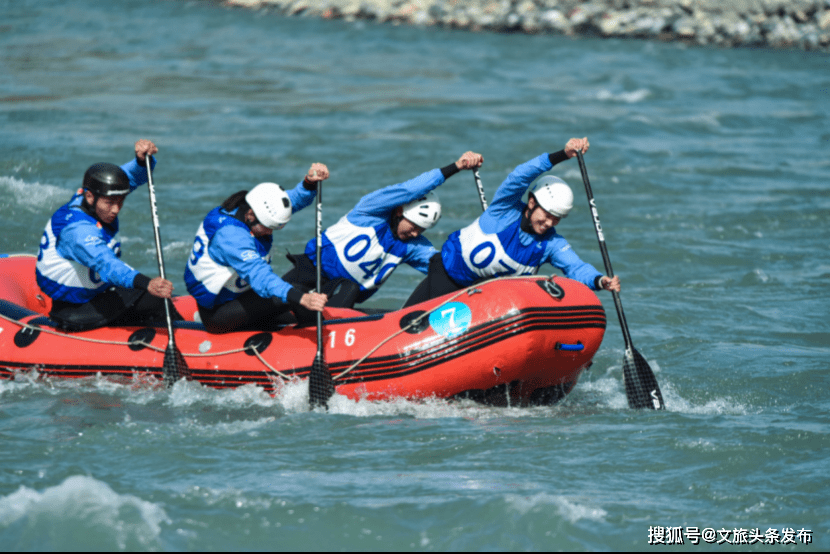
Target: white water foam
point(292, 398)
point(175, 247)
point(610, 388)
point(605, 390)
point(289, 398)
point(33, 196)
point(190, 393)
point(83, 508)
point(13, 386)
point(565, 507)
point(630, 97)
point(426, 408)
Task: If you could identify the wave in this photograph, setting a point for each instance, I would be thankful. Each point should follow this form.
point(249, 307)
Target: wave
point(32, 196)
point(82, 513)
point(630, 97)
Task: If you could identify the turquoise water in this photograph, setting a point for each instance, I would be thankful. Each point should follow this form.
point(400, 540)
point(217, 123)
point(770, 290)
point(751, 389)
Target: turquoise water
point(710, 169)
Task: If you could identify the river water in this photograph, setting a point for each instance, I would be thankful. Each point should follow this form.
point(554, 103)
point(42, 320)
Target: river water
point(710, 170)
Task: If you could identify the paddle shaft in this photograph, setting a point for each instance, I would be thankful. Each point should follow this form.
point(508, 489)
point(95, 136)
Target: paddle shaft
point(320, 382)
point(480, 188)
point(171, 341)
point(641, 388)
point(319, 235)
point(605, 258)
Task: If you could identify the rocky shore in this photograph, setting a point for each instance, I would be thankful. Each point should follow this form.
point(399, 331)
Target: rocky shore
point(799, 24)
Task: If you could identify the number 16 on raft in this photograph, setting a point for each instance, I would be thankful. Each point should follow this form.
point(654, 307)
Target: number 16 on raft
point(348, 339)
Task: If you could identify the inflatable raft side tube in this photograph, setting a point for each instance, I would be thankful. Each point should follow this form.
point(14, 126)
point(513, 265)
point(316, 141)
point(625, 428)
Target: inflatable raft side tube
point(476, 338)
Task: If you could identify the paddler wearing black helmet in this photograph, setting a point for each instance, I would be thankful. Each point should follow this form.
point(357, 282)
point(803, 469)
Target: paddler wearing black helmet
point(79, 262)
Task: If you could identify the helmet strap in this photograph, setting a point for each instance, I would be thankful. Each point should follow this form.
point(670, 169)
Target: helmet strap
point(527, 212)
point(243, 217)
point(86, 206)
point(395, 220)
point(241, 213)
point(91, 209)
point(525, 224)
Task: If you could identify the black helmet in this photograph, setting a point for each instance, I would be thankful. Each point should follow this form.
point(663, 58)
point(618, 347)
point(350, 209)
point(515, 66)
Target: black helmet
point(105, 179)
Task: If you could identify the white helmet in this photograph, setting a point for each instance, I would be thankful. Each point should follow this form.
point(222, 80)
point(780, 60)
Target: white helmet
point(553, 195)
point(423, 212)
point(270, 204)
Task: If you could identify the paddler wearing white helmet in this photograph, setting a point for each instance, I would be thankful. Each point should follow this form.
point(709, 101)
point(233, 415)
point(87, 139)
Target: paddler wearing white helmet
point(384, 230)
point(512, 237)
point(229, 272)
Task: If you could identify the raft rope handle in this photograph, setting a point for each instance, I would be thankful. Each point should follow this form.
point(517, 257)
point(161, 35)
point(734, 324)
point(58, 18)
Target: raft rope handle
point(472, 289)
point(116, 343)
point(266, 364)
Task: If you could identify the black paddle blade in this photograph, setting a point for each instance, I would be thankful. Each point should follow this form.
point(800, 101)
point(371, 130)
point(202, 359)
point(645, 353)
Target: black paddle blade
point(320, 384)
point(174, 367)
point(640, 384)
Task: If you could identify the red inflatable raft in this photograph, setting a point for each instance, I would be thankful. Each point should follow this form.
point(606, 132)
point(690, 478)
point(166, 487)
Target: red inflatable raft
point(510, 341)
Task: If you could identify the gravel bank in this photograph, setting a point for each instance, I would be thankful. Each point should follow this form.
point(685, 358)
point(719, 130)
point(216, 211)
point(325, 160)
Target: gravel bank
point(800, 24)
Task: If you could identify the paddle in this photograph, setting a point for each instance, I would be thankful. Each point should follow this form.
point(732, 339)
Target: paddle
point(174, 367)
point(641, 387)
point(480, 190)
point(320, 383)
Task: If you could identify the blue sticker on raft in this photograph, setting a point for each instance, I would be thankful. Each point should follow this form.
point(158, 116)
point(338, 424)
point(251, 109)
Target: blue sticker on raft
point(451, 319)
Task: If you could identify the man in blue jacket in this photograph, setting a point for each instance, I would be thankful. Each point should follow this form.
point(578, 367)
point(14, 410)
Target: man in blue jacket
point(512, 237)
point(229, 272)
point(79, 262)
point(382, 231)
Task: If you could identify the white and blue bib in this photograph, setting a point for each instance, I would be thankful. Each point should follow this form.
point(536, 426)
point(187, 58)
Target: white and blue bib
point(210, 282)
point(366, 255)
point(471, 254)
point(65, 279)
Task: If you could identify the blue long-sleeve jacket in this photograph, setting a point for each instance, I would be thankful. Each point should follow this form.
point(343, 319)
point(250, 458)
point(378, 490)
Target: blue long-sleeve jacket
point(79, 256)
point(236, 260)
point(495, 244)
point(363, 247)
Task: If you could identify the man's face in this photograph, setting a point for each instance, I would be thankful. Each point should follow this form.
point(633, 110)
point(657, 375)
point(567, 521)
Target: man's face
point(407, 230)
point(540, 220)
point(106, 207)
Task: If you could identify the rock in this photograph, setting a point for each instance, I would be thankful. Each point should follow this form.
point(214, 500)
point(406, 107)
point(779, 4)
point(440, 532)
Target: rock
point(782, 32)
point(556, 20)
point(685, 27)
point(771, 23)
point(649, 25)
point(612, 23)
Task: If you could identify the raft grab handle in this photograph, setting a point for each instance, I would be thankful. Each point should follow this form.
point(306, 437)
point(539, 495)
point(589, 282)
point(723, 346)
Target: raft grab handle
point(552, 288)
point(578, 346)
